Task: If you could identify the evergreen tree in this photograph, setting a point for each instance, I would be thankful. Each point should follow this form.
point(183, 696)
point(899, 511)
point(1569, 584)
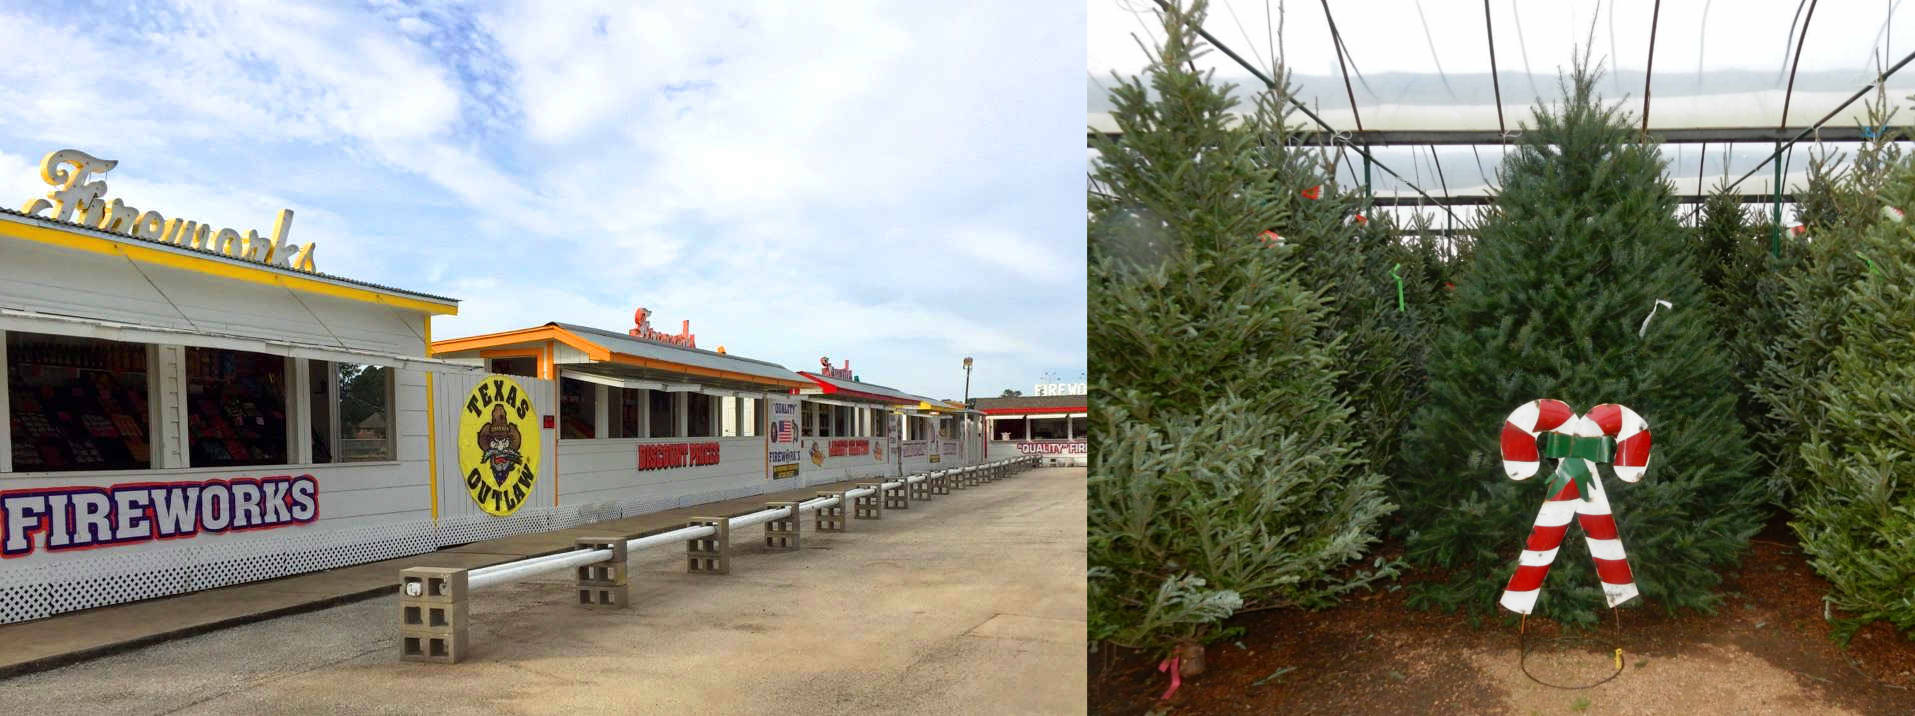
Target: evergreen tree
point(1227, 473)
point(1738, 272)
point(1856, 506)
point(1581, 241)
point(1343, 249)
point(1837, 206)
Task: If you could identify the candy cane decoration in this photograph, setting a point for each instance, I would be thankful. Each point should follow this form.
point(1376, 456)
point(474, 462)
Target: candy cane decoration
point(1550, 429)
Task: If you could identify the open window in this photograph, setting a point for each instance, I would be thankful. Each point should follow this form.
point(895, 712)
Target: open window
point(77, 403)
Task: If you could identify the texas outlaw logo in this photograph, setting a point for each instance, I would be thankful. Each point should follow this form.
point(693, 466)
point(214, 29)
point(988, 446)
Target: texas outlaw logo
point(498, 445)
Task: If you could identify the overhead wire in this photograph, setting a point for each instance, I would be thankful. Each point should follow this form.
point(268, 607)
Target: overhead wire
point(1523, 45)
point(1495, 80)
point(1434, 59)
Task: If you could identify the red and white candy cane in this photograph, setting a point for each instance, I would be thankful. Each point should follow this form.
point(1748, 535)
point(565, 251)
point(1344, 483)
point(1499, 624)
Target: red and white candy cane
point(1521, 459)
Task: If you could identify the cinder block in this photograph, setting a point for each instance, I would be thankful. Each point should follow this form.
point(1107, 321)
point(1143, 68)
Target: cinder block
point(435, 584)
point(783, 533)
point(871, 506)
point(433, 614)
point(899, 497)
point(940, 483)
point(604, 584)
point(438, 647)
point(921, 490)
point(423, 616)
point(607, 596)
point(710, 555)
point(835, 518)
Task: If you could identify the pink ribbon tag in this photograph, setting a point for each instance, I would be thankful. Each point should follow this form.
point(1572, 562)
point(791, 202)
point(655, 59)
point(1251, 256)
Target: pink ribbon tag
point(1173, 665)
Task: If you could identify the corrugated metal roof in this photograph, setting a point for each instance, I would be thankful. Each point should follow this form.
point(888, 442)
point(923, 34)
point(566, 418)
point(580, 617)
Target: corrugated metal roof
point(856, 386)
point(622, 343)
point(75, 226)
point(1033, 401)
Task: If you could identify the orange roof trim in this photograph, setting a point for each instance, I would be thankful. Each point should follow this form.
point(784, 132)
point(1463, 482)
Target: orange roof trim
point(596, 352)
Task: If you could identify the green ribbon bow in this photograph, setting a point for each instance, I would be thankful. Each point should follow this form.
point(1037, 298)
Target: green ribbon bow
point(1566, 447)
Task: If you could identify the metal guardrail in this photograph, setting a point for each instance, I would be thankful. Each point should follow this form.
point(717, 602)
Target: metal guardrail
point(434, 600)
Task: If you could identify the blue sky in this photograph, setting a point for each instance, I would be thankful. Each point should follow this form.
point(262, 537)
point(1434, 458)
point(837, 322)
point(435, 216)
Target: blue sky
point(900, 184)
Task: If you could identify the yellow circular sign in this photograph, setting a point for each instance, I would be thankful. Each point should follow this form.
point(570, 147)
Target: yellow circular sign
point(499, 445)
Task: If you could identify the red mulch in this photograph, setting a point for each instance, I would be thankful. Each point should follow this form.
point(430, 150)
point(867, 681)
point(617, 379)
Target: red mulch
point(1349, 659)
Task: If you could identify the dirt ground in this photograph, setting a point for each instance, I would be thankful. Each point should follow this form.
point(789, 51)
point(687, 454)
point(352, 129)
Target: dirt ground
point(1766, 651)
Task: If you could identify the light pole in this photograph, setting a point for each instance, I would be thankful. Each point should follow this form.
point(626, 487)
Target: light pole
point(967, 381)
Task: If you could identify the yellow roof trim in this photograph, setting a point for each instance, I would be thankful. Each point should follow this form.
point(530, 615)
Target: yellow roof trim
point(215, 267)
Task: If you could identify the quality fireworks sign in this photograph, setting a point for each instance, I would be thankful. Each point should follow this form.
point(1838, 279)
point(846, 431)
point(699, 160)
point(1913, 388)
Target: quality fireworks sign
point(498, 445)
point(781, 443)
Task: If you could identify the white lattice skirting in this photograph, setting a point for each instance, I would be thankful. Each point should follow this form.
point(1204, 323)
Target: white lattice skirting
point(29, 591)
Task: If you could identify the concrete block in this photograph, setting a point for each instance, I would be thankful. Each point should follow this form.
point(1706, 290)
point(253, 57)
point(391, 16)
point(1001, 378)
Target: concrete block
point(433, 614)
point(604, 584)
point(438, 647)
point(435, 584)
point(423, 616)
point(921, 490)
point(871, 506)
point(834, 518)
point(710, 555)
point(941, 483)
point(783, 533)
point(898, 498)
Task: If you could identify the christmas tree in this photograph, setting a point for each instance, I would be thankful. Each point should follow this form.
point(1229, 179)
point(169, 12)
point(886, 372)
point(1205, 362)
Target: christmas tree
point(1227, 473)
point(1357, 260)
point(1580, 245)
point(1743, 280)
point(1837, 206)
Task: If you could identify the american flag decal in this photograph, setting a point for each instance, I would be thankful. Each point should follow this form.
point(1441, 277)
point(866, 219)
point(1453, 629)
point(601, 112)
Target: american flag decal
point(785, 432)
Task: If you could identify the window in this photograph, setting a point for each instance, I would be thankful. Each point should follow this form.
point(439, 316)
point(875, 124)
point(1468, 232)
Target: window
point(664, 409)
point(578, 409)
point(753, 418)
point(354, 422)
point(947, 428)
point(526, 366)
point(841, 420)
point(1048, 428)
point(236, 408)
point(878, 419)
point(622, 410)
point(1080, 426)
point(77, 403)
point(698, 415)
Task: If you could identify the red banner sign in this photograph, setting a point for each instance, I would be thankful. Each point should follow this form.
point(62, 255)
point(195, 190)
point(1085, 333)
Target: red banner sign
point(843, 448)
point(676, 455)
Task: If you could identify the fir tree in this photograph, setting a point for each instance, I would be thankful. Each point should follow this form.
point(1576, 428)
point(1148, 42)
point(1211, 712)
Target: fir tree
point(1354, 257)
point(1856, 507)
point(1837, 206)
point(1738, 272)
point(1227, 473)
point(1581, 242)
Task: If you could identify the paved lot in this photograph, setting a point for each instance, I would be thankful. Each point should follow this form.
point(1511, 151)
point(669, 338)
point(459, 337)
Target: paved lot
point(972, 603)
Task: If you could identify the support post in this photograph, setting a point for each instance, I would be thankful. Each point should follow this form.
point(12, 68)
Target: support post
point(783, 533)
point(709, 555)
point(433, 612)
point(834, 518)
point(604, 584)
point(869, 507)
